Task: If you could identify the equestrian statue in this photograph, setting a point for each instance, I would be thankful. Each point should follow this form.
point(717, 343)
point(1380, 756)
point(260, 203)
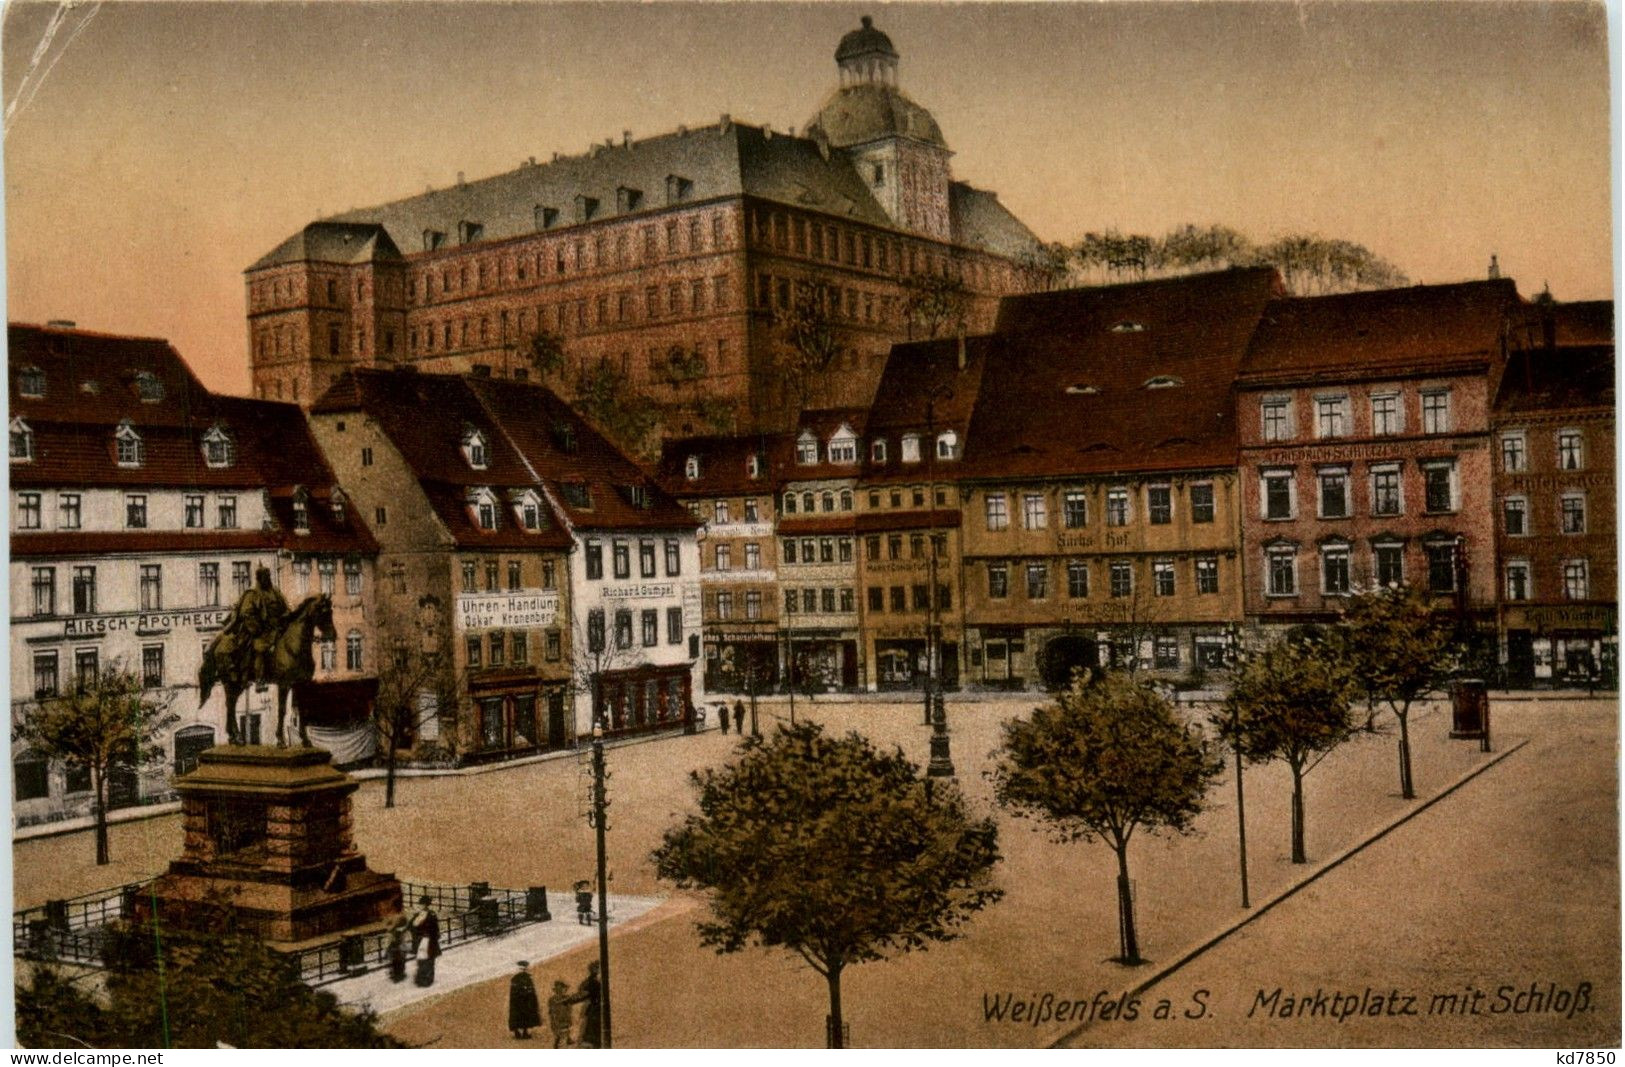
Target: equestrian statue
point(264, 643)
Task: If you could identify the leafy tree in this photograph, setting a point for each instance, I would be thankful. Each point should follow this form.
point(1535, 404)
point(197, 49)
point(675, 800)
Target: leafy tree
point(936, 303)
point(830, 849)
point(545, 351)
point(605, 396)
point(1401, 648)
point(225, 988)
point(808, 338)
point(1290, 702)
point(105, 723)
point(1107, 758)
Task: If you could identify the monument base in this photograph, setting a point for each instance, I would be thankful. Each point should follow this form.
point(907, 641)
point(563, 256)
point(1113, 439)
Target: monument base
point(268, 850)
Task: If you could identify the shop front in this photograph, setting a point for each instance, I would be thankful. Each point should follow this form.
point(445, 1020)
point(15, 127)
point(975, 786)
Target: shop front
point(741, 664)
point(1561, 645)
point(904, 663)
point(643, 699)
point(822, 661)
point(517, 717)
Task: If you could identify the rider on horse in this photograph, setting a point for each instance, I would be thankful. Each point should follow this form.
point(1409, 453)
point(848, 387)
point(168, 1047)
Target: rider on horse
point(254, 625)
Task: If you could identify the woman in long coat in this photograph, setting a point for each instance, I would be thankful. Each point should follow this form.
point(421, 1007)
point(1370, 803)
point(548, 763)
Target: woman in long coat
point(524, 1011)
point(425, 940)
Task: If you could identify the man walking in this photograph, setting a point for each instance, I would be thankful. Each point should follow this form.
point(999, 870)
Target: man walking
point(425, 940)
point(590, 993)
point(739, 717)
point(722, 715)
point(523, 1010)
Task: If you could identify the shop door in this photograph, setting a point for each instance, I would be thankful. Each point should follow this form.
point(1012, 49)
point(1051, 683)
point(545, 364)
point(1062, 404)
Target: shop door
point(555, 719)
point(1520, 659)
point(849, 664)
point(996, 660)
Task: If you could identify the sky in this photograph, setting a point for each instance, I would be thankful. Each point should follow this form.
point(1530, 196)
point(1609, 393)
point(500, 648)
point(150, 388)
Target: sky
point(153, 151)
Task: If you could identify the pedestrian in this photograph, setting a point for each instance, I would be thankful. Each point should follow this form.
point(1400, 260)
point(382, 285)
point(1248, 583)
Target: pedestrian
point(722, 715)
point(523, 1010)
point(589, 992)
point(739, 717)
point(425, 940)
point(397, 951)
point(559, 1015)
point(583, 904)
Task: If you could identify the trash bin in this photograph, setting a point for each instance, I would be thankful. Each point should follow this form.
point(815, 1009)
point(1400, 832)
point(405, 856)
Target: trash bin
point(536, 904)
point(487, 917)
point(353, 954)
point(1470, 701)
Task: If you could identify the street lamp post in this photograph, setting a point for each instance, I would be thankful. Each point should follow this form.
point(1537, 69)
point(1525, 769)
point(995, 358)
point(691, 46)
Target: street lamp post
point(600, 806)
point(941, 764)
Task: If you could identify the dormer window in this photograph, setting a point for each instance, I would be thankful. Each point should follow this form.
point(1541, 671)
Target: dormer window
point(843, 447)
point(433, 239)
point(806, 450)
point(132, 451)
point(577, 494)
point(22, 442)
point(948, 445)
point(469, 232)
point(301, 510)
point(753, 465)
point(564, 435)
point(218, 448)
point(475, 450)
point(31, 382)
point(678, 189)
point(1163, 381)
point(639, 496)
point(877, 450)
point(483, 503)
point(691, 468)
point(1128, 327)
point(148, 387)
point(337, 502)
point(911, 448)
point(527, 508)
point(546, 217)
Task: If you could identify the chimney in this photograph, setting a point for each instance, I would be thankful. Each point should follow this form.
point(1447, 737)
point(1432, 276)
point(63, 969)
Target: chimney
point(767, 132)
point(61, 324)
point(533, 161)
point(459, 179)
point(726, 124)
point(682, 131)
point(961, 349)
point(626, 138)
point(1495, 268)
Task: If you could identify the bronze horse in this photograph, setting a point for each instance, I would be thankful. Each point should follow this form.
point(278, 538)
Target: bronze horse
point(231, 664)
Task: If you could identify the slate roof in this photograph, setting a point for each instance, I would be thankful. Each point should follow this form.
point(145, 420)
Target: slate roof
point(723, 160)
point(1574, 372)
point(426, 417)
point(865, 112)
point(1420, 328)
point(73, 431)
point(1068, 388)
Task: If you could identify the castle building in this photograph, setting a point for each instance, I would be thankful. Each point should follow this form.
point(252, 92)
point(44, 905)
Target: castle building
point(548, 579)
point(678, 266)
point(1555, 504)
point(141, 507)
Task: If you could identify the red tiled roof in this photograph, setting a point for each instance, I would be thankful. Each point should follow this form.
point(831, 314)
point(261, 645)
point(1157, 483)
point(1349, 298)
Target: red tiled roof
point(915, 373)
point(724, 465)
point(1068, 389)
point(426, 417)
point(1564, 361)
point(90, 377)
point(1420, 328)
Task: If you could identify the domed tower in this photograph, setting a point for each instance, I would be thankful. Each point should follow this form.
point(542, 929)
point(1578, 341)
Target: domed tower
point(895, 144)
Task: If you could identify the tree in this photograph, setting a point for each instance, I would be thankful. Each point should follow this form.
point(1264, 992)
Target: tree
point(808, 338)
point(1290, 702)
point(625, 415)
point(399, 710)
point(833, 850)
point(1107, 758)
point(936, 303)
point(545, 352)
point(1401, 648)
point(105, 723)
point(217, 988)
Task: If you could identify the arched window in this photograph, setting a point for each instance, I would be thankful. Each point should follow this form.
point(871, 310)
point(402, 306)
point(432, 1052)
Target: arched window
point(948, 445)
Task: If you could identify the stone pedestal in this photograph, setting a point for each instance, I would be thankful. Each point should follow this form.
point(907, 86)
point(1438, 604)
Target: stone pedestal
point(267, 839)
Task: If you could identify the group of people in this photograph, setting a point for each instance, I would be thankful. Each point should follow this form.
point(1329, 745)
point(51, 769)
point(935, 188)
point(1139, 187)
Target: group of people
point(525, 1013)
point(418, 939)
point(739, 717)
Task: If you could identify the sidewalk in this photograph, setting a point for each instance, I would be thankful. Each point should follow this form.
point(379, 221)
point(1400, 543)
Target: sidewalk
point(488, 958)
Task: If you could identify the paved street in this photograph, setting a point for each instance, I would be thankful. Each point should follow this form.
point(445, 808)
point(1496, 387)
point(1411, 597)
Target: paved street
point(1054, 930)
point(1511, 882)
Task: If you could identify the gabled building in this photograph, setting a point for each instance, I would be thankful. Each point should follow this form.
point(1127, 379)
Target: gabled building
point(1555, 504)
point(1101, 507)
point(553, 580)
point(668, 259)
point(728, 485)
point(1364, 421)
point(141, 507)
